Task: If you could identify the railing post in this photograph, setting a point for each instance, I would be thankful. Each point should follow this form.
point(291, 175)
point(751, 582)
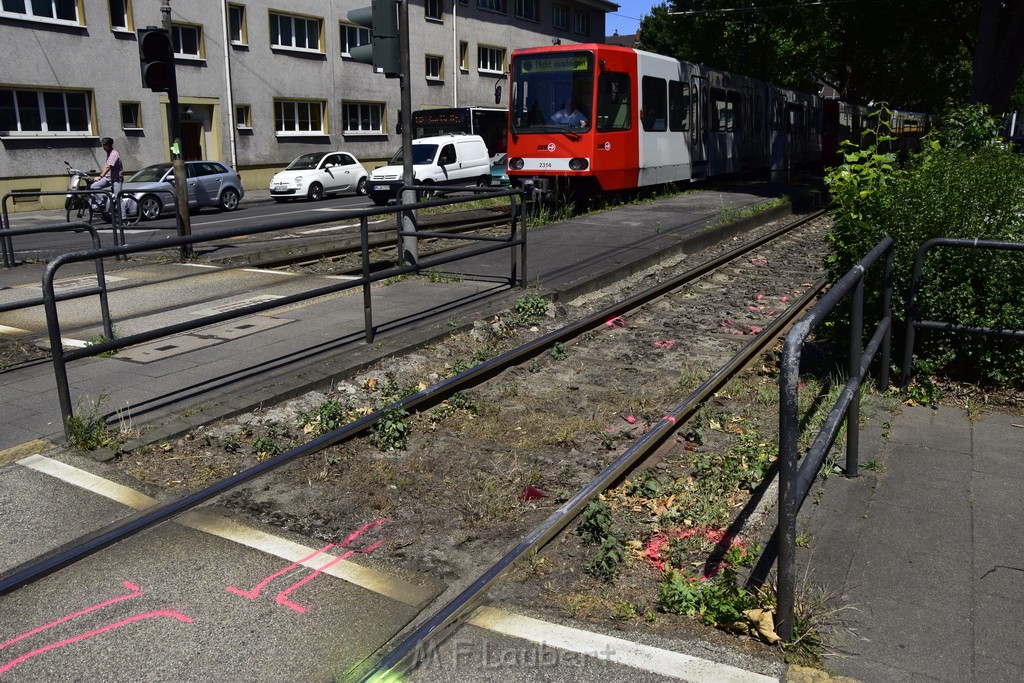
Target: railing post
point(856, 353)
point(60, 370)
point(788, 468)
point(6, 243)
point(364, 234)
point(883, 376)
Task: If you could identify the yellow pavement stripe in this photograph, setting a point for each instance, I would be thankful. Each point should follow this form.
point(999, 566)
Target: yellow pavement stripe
point(9, 455)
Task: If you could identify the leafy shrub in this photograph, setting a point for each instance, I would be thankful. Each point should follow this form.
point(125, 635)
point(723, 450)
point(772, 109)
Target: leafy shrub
point(964, 189)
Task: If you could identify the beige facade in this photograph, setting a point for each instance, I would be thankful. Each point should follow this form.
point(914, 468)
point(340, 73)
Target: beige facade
point(259, 82)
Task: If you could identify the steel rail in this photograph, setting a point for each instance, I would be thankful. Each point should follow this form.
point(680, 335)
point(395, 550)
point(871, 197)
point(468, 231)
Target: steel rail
point(457, 608)
point(88, 544)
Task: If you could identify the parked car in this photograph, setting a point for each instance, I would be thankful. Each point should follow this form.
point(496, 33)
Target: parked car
point(318, 174)
point(209, 183)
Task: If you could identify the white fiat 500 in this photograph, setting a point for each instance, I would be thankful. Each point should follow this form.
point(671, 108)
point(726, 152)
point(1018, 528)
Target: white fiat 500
point(318, 174)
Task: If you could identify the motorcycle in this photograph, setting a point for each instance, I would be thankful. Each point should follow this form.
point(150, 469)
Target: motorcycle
point(85, 207)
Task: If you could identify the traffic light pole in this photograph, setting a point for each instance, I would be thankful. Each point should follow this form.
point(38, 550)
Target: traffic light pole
point(408, 247)
point(174, 129)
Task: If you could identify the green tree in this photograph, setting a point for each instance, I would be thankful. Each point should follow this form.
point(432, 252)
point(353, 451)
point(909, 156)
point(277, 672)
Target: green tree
point(914, 54)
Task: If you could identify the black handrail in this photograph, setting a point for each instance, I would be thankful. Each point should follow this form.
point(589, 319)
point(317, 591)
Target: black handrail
point(795, 477)
point(61, 357)
point(915, 289)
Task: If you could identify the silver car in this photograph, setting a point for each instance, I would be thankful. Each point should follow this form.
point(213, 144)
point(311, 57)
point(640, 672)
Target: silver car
point(209, 183)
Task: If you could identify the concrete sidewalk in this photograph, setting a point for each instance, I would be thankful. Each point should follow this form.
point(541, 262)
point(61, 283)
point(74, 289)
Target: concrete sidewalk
point(924, 550)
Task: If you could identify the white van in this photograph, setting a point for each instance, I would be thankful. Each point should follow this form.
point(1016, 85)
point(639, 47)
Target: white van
point(453, 159)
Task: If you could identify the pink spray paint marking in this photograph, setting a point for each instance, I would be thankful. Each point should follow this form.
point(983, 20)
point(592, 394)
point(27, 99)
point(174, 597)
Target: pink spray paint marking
point(669, 418)
point(136, 592)
point(282, 597)
point(617, 321)
point(89, 634)
point(258, 588)
point(666, 344)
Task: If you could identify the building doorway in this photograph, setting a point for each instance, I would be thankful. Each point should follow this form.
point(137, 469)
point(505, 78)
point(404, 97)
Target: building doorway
point(191, 140)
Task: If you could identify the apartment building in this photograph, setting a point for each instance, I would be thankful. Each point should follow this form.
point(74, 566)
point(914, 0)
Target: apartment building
point(259, 82)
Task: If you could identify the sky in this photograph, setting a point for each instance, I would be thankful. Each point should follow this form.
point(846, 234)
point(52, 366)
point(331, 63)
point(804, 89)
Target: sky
point(627, 19)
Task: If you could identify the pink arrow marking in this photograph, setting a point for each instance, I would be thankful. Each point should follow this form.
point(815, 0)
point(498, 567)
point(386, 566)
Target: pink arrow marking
point(89, 634)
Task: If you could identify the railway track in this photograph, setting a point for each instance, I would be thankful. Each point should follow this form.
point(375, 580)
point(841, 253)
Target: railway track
point(499, 434)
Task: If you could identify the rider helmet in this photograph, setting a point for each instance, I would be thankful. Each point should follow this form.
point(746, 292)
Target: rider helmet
point(107, 141)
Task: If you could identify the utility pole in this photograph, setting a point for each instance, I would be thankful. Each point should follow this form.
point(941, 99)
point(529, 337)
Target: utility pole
point(174, 130)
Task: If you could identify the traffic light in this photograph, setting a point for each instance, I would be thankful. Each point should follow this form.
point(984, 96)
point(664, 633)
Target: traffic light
point(381, 17)
point(156, 57)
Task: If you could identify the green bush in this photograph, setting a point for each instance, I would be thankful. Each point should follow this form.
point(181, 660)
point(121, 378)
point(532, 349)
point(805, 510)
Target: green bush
point(952, 189)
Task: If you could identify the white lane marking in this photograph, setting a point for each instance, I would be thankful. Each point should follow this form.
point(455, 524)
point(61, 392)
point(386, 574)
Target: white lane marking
point(617, 650)
point(198, 265)
point(74, 343)
point(268, 272)
point(382, 584)
point(88, 481)
point(202, 520)
point(4, 329)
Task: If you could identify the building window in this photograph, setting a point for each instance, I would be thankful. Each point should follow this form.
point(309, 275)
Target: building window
point(121, 15)
point(353, 36)
point(300, 117)
point(528, 10)
point(491, 59)
point(243, 116)
point(63, 11)
point(236, 21)
point(434, 65)
point(581, 23)
point(44, 111)
point(366, 118)
point(131, 116)
point(491, 5)
point(188, 41)
point(433, 9)
point(295, 33)
point(560, 17)
point(464, 55)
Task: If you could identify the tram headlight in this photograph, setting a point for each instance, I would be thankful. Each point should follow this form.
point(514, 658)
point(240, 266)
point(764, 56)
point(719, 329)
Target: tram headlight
point(578, 164)
point(516, 163)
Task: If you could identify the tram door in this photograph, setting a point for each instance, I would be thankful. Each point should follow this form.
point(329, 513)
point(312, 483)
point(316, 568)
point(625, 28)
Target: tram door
point(699, 130)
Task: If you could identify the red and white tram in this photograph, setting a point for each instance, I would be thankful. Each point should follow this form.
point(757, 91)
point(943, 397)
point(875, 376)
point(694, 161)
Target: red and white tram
point(649, 119)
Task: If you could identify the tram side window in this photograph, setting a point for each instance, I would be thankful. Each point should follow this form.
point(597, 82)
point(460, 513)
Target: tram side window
point(726, 111)
point(613, 103)
point(678, 105)
point(655, 104)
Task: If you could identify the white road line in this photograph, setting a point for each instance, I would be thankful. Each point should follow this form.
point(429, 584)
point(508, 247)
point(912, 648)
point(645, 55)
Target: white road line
point(268, 272)
point(74, 343)
point(4, 329)
point(205, 521)
point(198, 265)
point(618, 650)
point(88, 481)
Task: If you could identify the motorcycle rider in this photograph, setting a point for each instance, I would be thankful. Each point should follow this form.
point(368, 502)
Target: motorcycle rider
point(112, 174)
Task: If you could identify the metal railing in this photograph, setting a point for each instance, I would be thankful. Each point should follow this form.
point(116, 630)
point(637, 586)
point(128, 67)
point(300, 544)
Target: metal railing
point(114, 204)
point(796, 477)
point(913, 324)
point(61, 357)
point(101, 283)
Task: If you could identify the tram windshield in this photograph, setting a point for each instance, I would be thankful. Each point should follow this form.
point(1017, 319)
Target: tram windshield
point(552, 92)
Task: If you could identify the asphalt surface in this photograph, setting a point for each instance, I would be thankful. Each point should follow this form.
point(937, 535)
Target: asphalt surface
point(923, 547)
